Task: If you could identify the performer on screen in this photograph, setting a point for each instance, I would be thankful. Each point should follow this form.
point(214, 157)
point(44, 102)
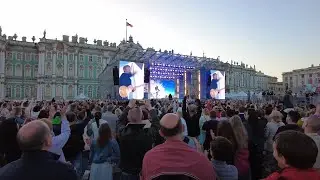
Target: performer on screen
point(214, 81)
point(217, 86)
point(125, 79)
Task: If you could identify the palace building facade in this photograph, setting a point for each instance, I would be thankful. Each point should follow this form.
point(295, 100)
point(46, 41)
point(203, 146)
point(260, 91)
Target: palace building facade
point(64, 69)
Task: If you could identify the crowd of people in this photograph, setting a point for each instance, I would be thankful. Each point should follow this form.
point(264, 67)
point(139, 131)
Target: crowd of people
point(158, 140)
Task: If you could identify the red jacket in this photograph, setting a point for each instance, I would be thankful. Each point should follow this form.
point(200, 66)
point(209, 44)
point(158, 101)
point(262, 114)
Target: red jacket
point(294, 174)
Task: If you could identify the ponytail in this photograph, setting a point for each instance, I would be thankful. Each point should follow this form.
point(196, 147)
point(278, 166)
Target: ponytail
point(97, 117)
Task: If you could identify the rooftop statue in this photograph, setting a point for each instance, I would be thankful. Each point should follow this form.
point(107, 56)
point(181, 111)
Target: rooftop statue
point(0, 31)
point(44, 34)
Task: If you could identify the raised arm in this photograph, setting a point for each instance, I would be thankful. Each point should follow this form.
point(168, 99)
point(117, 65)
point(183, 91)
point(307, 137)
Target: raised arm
point(61, 140)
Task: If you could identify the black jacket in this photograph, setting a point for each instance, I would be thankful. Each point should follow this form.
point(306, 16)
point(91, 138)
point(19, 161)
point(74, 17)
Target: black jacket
point(134, 141)
point(192, 121)
point(37, 165)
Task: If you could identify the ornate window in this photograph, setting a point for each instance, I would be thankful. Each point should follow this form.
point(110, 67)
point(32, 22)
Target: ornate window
point(35, 70)
point(8, 91)
point(48, 90)
point(18, 91)
point(90, 72)
point(37, 58)
point(81, 58)
point(27, 91)
point(90, 58)
point(49, 55)
point(48, 68)
point(18, 70)
point(80, 90)
point(28, 57)
point(98, 72)
point(99, 60)
point(70, 57)
point(9, 70)
point(9, 55)
point(59, 91)
point(70, 90)
point(27, 70)
point(59, 69)
point(81, 72)
point(90, 91)
point(60, 56)
point(70, 70)
point(19, 56)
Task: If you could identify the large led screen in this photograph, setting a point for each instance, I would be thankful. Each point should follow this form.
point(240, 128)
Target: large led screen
point(217, 84)
point(161, 88)
point(131, 80)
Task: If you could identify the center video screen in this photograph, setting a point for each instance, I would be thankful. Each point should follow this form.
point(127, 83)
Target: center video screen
point(217, 84)
point(161, 88)
point(131, 80)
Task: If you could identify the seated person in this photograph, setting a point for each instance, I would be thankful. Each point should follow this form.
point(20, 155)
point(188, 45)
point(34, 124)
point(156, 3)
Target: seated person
point(296, 154)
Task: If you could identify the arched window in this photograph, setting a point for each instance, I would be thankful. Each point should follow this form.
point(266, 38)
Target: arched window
point(80, 90)
point(59, 91)
point(48, 68)
point(90, 72)
point(19, 57)
point(35, 71)
point(70, 90)
point(70, 57)
point(60, 56)
point(28, 57)
point(18, 70)
point(81, 72)
point(18, 91)
point(27, 92)
point(90, 91)
point(8, 91)
point(27, 70)
point(70, 70)
point(48, 90)
point(59, 69)
point(9, 70)
point(49, 55)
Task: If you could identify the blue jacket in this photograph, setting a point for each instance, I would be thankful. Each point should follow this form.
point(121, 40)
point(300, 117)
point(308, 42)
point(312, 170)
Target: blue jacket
point(124, 79)
point(109, 153)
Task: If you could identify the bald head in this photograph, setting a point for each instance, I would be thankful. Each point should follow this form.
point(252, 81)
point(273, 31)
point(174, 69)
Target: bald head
point(135, 115)
point(34, 136)
point(313, 123)
point(170, 125)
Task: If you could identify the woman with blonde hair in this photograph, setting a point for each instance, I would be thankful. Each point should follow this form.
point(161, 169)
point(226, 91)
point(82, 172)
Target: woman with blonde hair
point(204, 117)
point(270, 164)
point(241, 158)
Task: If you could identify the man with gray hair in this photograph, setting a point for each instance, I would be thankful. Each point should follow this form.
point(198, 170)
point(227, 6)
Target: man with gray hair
point(110, 117)
point(36, 162)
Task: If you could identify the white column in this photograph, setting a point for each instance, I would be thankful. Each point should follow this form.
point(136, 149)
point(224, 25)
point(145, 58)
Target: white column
point(39, 91)
point(75, 90)
point(2, 68)
point(76, 66)
point(64, 92)
point(53, 90)
point(65, 65)
point(54, 63)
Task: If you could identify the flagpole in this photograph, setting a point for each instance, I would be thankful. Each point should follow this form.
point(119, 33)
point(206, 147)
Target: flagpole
point(126, 30)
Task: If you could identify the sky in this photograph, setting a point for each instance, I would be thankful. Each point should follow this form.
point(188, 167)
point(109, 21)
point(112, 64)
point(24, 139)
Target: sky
point(276, 36)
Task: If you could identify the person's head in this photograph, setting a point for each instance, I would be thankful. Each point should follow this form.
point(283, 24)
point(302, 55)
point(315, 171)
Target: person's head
point(36, 108)
point(96, 109)
point(240, 131)
point(192, 109)
point(294, 149)
point(179, 112)
point(171, 126)
point(206, 112)
point(118, 112)
point(312, 124)
point(242, 109)
point(104, 134)
point(224, 129)
point(82, 115)
point(43, 114)
point(34, 136)
point(293, 117)
point(135, 115)
point(126, 69)
point(71, 116)
point(221, 149)
point(276, 116)
point(268, 110)
point(214, 76)
point(48, 123)
point(109, 108)
point(97, 115)
point(213, 114)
